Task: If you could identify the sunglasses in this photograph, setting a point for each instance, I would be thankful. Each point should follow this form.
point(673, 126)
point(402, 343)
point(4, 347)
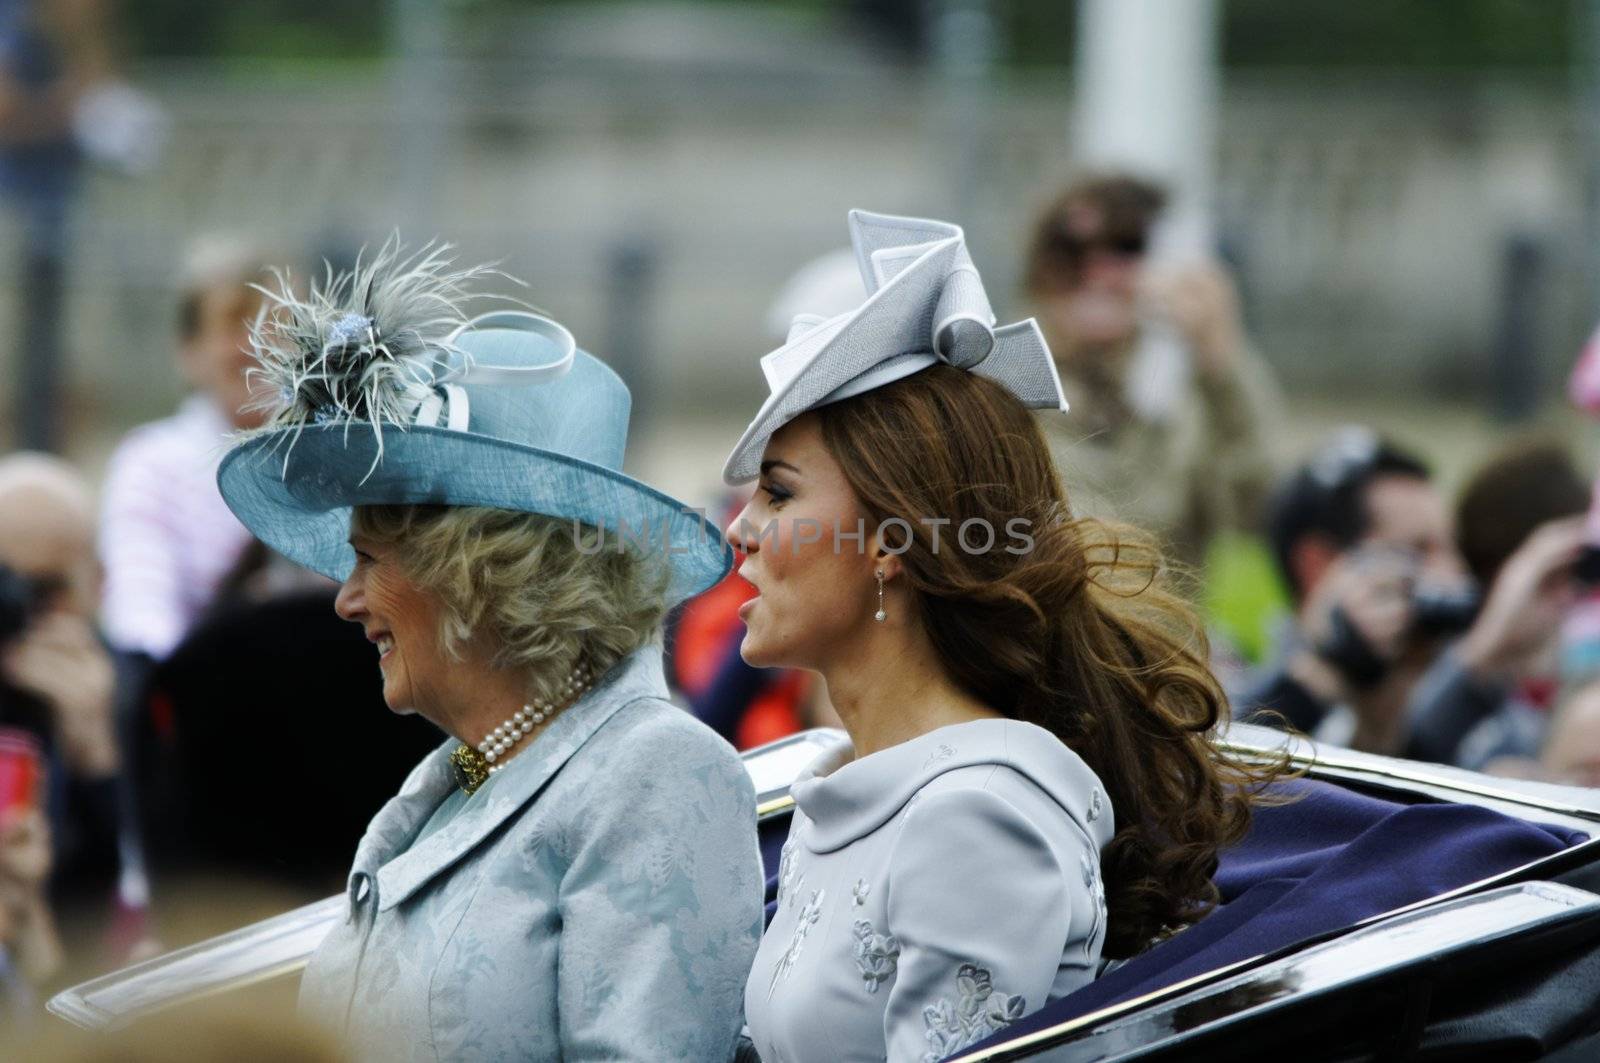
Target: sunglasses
point(29, 595)
point(1076, 249)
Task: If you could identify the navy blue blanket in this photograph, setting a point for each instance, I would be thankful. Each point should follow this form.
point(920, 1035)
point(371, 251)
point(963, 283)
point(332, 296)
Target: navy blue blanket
point(1323, 862)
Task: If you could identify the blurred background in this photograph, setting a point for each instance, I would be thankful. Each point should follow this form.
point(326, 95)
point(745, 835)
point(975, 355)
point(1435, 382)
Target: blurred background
point(1404, 191)
point(1396, 207)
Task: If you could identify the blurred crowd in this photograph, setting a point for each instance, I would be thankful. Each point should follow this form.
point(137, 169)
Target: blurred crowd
point(162, 673)
point(160, 669)
point(1458, 631)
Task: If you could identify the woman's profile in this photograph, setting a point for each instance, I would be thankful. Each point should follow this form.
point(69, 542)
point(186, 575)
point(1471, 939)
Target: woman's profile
point(573, 874)
point(1030, 786)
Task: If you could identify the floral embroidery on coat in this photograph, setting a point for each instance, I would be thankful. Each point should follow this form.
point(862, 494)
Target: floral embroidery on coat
point(1097, 890)
point(786, 868)
point(944, 752)
point(980, 1011)
point(877, 955)
point(802, 926)
point(1094, 804)
point(860, 891)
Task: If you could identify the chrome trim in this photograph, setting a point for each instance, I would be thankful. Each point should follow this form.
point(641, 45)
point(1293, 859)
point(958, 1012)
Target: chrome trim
point(256, 953)
point(773, 767)
point(767, 809)
point(1578, 802)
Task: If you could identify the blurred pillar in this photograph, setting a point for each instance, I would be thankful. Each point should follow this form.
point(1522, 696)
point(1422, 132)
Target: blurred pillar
point(1586, 89)
point(632, 271)
point(1516, 375)
point(1147, 77)
point(419, 30)
point(39, 360)
point(964, 42)
point(39, 166)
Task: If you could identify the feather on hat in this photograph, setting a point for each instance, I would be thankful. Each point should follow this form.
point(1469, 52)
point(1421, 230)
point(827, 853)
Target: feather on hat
point(384, 391)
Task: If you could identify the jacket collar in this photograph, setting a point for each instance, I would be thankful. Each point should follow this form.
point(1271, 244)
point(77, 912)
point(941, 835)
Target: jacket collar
point(846, 799)
point(401, 868)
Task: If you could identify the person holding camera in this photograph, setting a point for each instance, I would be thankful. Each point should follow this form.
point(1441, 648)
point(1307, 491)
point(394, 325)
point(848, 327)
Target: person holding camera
point(56, 688)
point(1362, 540)
point(1173, 414)
point(1488, 697)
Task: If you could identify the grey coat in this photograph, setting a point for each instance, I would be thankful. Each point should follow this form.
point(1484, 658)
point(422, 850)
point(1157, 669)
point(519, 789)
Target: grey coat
point(929, 895)
point(603, 903)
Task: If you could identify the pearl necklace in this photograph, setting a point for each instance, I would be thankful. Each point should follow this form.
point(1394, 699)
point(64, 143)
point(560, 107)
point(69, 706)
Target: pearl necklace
point(525, 719)
point(474, 766)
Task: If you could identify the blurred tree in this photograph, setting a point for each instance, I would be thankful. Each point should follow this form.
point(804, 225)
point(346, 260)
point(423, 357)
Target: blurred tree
point(319, 29)
point(1531, 35)
point(1039, 34)
point(1440, 34)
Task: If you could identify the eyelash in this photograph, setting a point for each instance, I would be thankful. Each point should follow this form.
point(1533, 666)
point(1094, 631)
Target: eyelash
point(777, 494)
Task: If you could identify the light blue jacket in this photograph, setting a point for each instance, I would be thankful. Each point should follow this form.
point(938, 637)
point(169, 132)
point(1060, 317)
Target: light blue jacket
point(602, 903)
point(930, 895)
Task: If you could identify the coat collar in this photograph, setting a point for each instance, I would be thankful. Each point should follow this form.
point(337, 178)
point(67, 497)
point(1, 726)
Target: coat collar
point(401, 868)
point(846, 799)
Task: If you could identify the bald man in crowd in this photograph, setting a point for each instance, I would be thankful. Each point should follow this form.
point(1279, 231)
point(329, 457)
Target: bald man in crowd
point(47, 527)
point(56, 677)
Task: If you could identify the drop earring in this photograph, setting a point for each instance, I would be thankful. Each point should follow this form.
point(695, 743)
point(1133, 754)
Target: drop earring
point(880, 616)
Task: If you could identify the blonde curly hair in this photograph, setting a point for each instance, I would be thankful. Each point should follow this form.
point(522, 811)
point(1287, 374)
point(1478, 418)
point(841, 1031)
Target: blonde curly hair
point(547, 592)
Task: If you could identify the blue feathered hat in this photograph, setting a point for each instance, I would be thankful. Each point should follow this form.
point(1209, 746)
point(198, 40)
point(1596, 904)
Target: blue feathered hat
point(384, 392)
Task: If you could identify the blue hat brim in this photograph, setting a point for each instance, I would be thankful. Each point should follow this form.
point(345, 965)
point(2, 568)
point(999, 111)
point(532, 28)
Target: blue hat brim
point(294, 489)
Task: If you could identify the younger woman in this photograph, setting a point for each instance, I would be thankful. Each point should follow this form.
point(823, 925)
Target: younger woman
point(1030, 785)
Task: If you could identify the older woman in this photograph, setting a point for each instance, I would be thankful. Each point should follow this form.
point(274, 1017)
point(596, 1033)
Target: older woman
point(1029, 786)
point(574, 873)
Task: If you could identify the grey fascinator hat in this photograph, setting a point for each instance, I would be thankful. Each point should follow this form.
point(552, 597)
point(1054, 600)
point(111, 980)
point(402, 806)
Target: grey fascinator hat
point(925, 304)
point(384, 392)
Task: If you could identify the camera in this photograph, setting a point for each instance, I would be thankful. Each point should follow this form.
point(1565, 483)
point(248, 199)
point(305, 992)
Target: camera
point(20, 601)
point(1586, 570)
point(1435, 611)
point(1444, 610)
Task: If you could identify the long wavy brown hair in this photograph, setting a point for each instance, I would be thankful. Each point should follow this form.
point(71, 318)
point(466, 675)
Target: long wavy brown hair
point(1083, 634)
